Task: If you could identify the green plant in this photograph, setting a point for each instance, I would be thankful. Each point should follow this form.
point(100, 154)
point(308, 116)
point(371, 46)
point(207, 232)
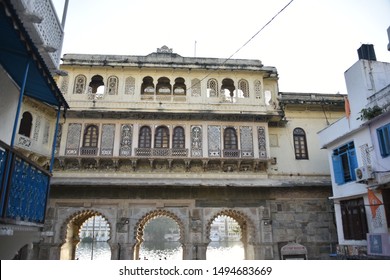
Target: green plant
point(370, 113)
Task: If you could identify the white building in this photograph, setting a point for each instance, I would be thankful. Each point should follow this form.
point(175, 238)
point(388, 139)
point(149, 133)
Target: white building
point(358, 148)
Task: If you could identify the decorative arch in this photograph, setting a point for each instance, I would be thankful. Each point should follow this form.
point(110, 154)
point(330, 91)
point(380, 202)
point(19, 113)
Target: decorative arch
point(246, 225)
point(248, 230)
point(79, 84)
point(97, 84)
point(26, 124)
point(70, 229)
point(144, 220)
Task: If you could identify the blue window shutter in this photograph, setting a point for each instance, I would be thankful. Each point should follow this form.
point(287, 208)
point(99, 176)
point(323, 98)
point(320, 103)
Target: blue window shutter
point(381, 140)
point(353, 164)
point(338, 170)
point(384, 140)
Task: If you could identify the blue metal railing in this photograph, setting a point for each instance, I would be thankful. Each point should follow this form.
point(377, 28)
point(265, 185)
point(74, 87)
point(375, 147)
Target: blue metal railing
point(26, 194)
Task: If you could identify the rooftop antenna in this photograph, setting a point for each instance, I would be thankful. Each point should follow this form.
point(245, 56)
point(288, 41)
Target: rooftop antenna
point(195, 49)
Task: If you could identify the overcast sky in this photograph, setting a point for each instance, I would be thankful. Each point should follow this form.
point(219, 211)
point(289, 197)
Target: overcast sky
point(311, 42)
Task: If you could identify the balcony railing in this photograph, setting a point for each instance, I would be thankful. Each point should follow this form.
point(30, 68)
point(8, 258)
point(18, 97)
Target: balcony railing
point(89, 151)
point(155, 152)
point(161, 152)
point(381, 99)
point(24, 197)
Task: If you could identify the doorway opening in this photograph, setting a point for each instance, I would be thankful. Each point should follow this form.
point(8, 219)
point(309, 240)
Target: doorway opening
point(86, 237)
point(226, 239)
point(159, 237)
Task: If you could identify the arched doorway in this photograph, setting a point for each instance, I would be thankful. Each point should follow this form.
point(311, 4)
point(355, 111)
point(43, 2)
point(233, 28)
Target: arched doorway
point(94, 234)
point(159, 236)
point(229, 233)
point(225, 236)
point(82, 225)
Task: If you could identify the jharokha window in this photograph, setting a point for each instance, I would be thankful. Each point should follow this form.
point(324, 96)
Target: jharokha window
point(300, 144)
point(230, 139)
point(91, 135)
point(145, 137)
point(161, 139)
point(25, 124)
point(179, 88)
point(147, 86)
point(178, 138)
point(163, 86)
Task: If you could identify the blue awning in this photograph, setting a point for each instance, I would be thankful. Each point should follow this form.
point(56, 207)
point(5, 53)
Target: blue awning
point(16, 50)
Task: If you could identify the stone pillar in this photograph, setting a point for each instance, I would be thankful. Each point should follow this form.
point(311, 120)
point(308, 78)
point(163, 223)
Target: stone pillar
point(187, 251)
point(49, 251)
point(263, 252)
point(125, 251)
point(114, 247)
point(199, 251)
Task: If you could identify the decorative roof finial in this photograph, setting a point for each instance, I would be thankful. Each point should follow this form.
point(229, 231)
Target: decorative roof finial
point(164, 49)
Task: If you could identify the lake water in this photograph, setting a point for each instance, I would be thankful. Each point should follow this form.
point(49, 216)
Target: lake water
point(161, 251)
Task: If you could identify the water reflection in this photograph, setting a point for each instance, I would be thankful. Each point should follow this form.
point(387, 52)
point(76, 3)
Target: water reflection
point(225, 250)
point(217, 250)
point(151, 250)
point(97, 250)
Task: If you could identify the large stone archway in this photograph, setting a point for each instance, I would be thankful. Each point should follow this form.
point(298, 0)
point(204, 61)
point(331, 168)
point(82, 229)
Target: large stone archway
point(70, 230)
point(248, 230)
point(145, 219)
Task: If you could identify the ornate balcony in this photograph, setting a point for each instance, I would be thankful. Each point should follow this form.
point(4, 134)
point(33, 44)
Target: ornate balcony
point(24, 198)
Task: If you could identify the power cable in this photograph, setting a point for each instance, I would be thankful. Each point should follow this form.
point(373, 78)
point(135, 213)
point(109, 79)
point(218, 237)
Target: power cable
point(247, 42)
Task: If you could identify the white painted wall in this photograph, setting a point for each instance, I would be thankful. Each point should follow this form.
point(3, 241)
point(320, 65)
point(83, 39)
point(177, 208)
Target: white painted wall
point(9, 96)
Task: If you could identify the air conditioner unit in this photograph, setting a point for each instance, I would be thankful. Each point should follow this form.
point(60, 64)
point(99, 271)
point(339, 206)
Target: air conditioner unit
point(363, 173)
point(378, 244)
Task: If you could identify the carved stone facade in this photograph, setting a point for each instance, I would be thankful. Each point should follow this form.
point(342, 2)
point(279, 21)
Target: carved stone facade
point(190, 139)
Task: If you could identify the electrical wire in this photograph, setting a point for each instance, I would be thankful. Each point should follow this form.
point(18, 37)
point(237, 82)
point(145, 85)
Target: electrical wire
point(247, 42)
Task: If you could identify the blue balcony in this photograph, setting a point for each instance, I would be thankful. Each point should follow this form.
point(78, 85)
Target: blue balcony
point(24, 197)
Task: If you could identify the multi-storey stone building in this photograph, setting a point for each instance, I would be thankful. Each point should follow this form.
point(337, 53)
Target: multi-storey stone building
point(191, 139)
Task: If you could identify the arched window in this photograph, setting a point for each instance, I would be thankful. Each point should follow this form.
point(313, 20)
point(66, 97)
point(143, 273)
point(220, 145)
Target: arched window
point(161, 138)
point(243, 88)
point(212, 88)
point(230, 139)
point(112, 85)
point(97, 84)
point(147, 86)
point(178, 137)
point(91, 135)
point(79, 84)
point(228, 89)
point(25, 124)
point(163, 86)
point(179, 88)
point(300, 144)
point(144, 140)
